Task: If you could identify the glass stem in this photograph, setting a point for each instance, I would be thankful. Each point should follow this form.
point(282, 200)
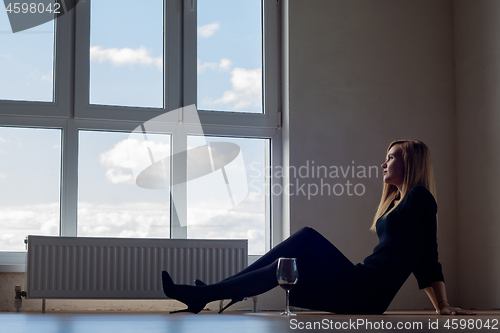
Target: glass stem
point(287, 301)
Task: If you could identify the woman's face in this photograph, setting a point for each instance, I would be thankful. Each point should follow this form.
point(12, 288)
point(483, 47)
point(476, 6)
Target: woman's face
point(394, 168)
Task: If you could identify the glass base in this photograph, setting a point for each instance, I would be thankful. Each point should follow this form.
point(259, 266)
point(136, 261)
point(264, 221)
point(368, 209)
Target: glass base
point(288, 313)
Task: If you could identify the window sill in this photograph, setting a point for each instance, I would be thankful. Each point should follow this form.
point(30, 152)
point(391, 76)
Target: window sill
point(12, 268)
point(12, 262)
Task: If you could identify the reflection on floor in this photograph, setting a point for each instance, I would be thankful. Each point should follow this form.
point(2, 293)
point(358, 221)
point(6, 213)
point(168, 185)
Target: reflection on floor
point(241, 322)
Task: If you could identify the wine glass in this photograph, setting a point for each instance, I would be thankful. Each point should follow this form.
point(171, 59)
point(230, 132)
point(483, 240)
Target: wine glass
point(287, 276)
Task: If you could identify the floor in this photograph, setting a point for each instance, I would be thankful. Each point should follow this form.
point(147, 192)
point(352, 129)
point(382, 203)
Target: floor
point(242, 322)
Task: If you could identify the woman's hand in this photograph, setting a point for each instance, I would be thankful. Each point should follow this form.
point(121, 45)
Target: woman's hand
point(446, 309)
point(437, 294)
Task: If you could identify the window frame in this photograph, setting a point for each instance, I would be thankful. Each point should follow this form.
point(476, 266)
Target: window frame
point(71, 110)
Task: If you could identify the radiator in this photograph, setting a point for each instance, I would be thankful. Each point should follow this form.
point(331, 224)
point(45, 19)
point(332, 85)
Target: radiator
point(125, 268)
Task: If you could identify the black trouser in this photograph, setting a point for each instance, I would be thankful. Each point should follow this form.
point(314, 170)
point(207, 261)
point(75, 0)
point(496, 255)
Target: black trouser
point(326, 276)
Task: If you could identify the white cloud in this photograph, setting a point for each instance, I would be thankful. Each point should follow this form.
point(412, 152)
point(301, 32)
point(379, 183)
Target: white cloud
point(131, 219)
point(125, 56)
point(207, 101)
point(246, 89)
point(3, 141)
point(247, 80)
point(32, 77)
point(47, 77)
point(225, 63)
point(18, 221)
point(201, 67)
point(208, 30)
point(117, 176)
point(2, 175)
point(131, 154)
point(246, 220)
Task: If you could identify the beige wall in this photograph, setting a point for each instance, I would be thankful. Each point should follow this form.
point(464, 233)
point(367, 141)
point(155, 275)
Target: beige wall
point(364, 73)
point(477, 57)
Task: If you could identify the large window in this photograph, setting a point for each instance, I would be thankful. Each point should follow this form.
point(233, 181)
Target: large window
point(120, 83)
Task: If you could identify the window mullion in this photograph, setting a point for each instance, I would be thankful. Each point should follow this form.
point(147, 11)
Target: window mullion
point(69, 179)
point(276, 215)
point(173, 83)
point(189, 48)
point(173, 55)
point(82, 58)
point(178, 210)
point(271, 60)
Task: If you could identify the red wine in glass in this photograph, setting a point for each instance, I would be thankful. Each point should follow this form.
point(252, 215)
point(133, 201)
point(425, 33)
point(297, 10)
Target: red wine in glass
point(287, 276)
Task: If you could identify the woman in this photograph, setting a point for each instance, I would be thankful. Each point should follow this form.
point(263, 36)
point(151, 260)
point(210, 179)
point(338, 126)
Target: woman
point(406, 225)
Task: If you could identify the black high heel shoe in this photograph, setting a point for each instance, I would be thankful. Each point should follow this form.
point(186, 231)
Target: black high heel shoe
point(194, 305)
point(201, 283)
point(234, 300)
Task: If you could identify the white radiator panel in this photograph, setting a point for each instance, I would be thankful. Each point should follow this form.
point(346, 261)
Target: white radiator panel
point(125, 268)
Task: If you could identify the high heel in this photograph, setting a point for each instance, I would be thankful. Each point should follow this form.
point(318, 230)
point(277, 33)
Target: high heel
point(179, 292)
point(190, 310)
point(231, 303)
point(199, 283)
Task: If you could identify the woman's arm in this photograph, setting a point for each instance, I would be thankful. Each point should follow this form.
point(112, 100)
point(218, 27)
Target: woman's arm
point(437, 295)
point(430, 292)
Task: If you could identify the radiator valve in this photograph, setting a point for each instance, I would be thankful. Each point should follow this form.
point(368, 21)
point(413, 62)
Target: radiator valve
point(18, 301)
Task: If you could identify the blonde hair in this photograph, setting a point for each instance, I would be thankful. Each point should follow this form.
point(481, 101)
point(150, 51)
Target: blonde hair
point(417, 171)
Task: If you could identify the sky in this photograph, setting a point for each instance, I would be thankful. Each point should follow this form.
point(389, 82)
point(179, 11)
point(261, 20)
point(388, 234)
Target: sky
point(126, 69)
point(26, 62)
